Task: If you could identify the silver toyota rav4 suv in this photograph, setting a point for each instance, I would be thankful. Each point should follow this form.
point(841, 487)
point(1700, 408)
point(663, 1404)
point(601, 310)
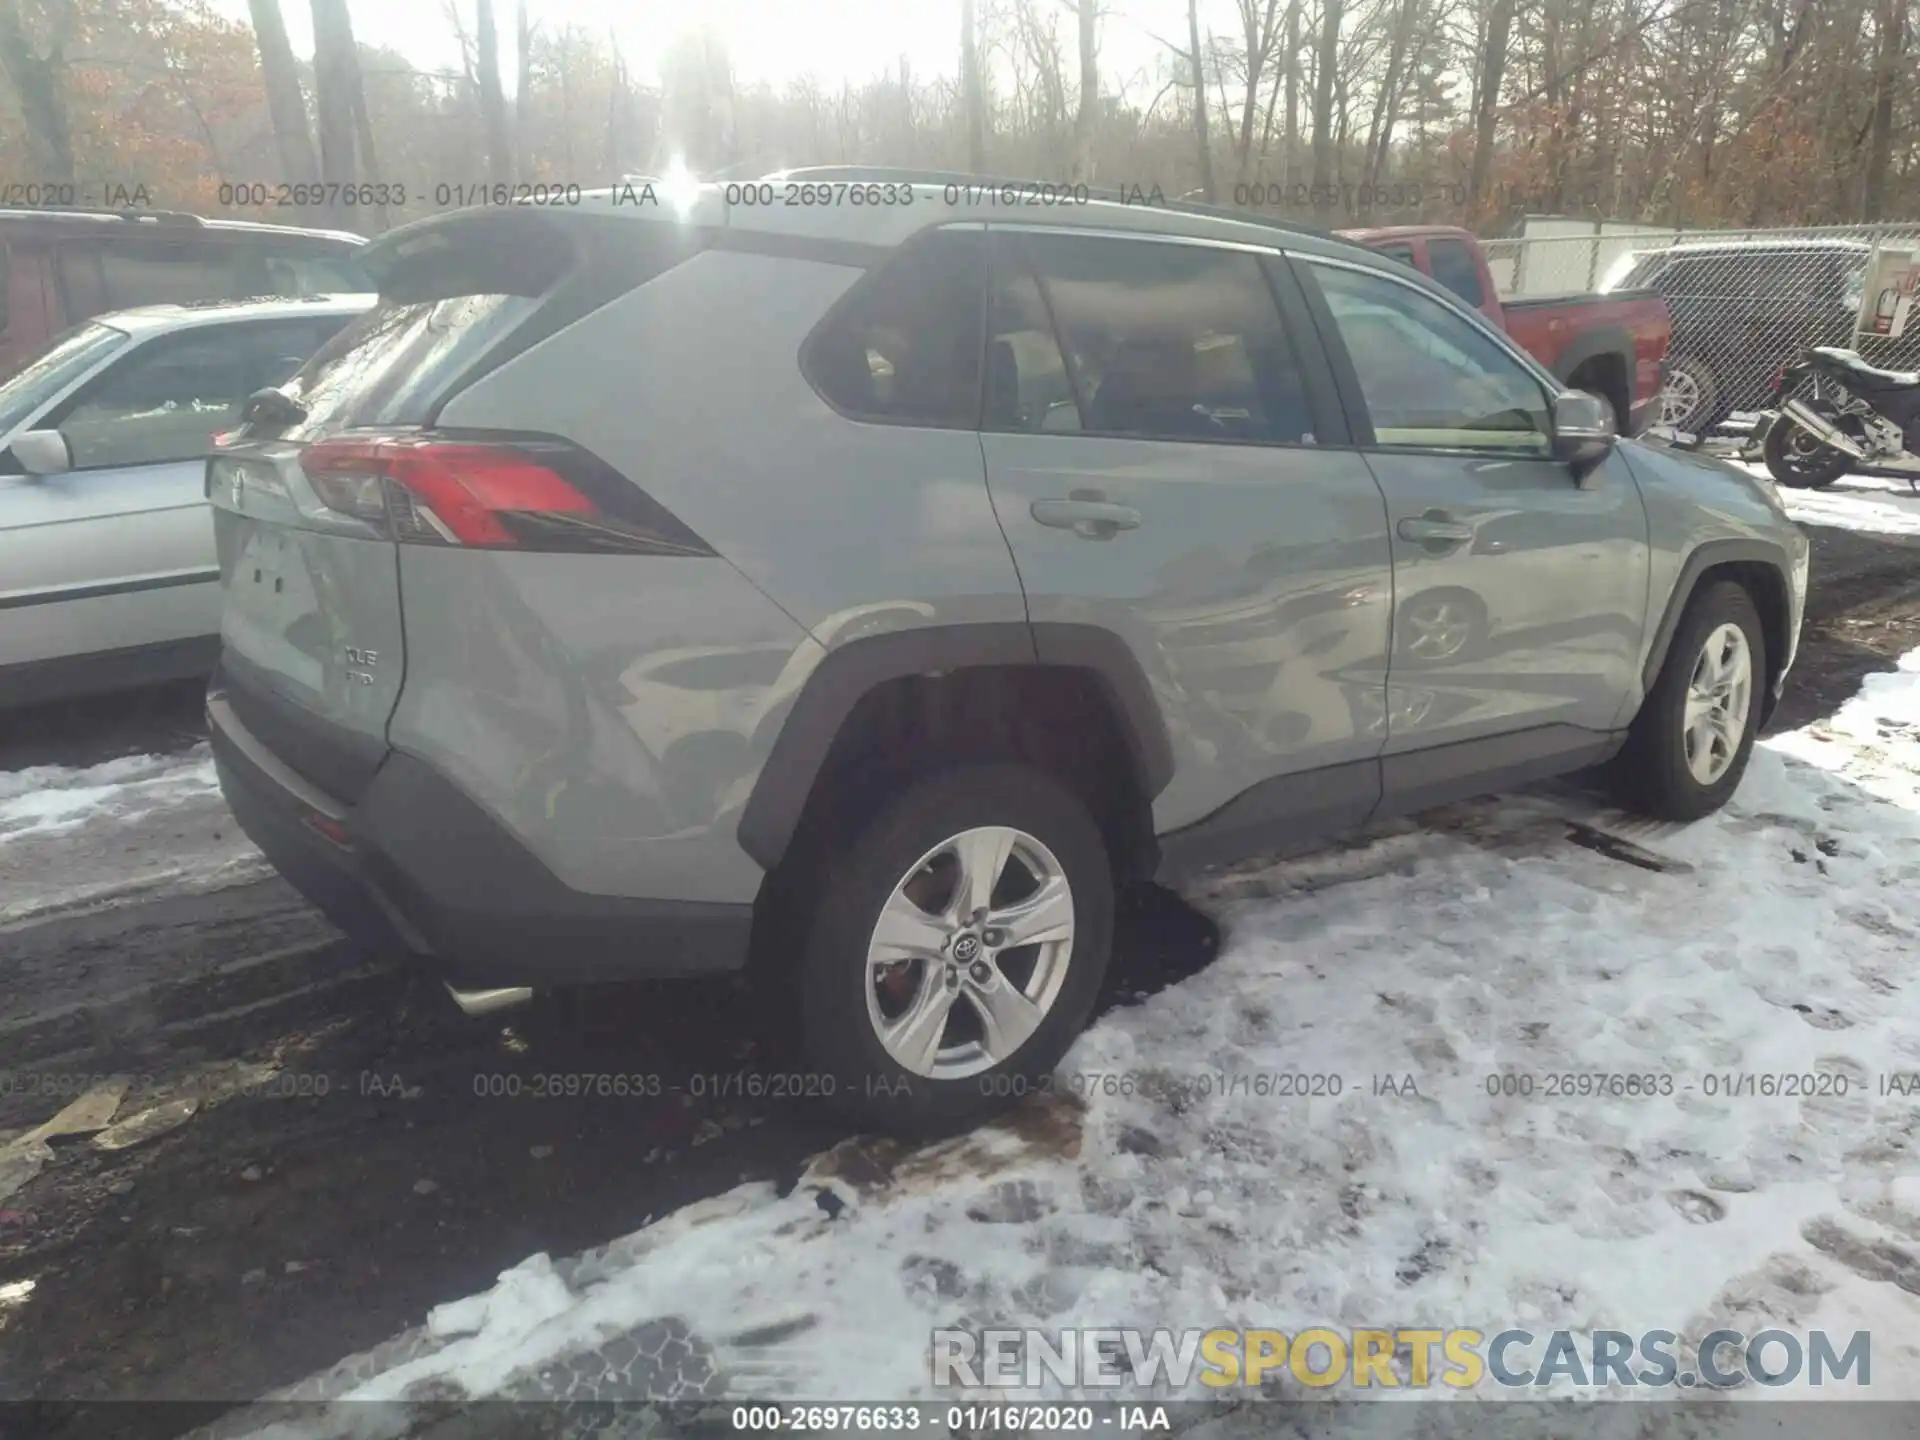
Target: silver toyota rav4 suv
point(871, 586)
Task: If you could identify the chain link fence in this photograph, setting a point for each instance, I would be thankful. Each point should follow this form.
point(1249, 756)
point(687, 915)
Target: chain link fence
point(1743, 302)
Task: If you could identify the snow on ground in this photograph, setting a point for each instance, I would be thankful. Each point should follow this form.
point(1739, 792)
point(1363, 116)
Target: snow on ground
point(1873, 503)
point(76, 837)
point(1782, 939)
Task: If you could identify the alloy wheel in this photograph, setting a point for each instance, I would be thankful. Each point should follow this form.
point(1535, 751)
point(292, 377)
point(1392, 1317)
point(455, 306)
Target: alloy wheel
point(1680, 399)
point(969, 953)
point(1719, 695)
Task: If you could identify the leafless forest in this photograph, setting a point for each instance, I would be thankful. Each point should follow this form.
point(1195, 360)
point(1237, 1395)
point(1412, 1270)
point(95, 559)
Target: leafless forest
point(1684, 112)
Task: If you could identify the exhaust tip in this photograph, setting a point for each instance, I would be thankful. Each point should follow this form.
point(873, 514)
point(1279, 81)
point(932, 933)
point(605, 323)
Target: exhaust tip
point(485, 1002)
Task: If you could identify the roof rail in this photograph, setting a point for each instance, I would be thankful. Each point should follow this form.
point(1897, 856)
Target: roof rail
point(158, 217)
point(909, 175)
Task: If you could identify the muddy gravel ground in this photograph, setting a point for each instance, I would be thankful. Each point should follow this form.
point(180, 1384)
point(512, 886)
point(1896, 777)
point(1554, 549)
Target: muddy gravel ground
point(348, 1149)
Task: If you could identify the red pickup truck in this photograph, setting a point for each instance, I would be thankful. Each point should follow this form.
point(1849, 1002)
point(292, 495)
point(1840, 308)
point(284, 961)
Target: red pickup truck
point(1613, 344)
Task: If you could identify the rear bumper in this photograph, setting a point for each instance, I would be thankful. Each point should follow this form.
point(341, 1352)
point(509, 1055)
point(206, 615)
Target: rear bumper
point(417, 868)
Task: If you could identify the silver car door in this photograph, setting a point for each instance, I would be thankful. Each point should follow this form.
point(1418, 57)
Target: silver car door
point(117, 553)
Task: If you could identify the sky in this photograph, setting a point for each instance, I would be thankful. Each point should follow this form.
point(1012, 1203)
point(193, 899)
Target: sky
point(769, 40)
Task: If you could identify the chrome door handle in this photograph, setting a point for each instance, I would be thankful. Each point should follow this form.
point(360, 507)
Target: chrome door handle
point(1434, 530)
point(1086, 516)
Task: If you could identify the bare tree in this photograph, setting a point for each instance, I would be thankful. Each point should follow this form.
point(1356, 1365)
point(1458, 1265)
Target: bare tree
point(1386, 102)
point(1292, 44)
point(1887, 74)
point(523, 90)
point(1260, 33)
point(1492, 69)
point(973, 100)
point(39, 77)
point(286, 106)
point(336, 79)
point(1325, 63)
point(1196, 59)
point(1087, 14)
point(493, 103)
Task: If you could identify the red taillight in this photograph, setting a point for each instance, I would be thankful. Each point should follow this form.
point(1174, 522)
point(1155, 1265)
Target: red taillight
point(468, 491)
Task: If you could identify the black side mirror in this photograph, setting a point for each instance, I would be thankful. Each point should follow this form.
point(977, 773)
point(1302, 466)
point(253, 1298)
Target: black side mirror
point(1583, 430)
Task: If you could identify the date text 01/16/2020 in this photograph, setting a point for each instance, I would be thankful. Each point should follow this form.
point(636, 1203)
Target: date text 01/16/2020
point(950, 1419)
point(1712, 1084)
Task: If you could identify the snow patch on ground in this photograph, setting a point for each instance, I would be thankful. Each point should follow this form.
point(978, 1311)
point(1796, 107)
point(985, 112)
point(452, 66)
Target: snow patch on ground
point(1872, 503)
point(1178, 1184)
point(45, 798)
point(78, 837)
point(1873, 740)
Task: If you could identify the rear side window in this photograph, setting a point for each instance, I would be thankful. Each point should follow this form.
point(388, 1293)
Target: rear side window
point(1167, 341)
point(118, 273)
point(1453, 267)
point(162, 274)
point(292, 272)
point(904, 346)
point(1402, 253)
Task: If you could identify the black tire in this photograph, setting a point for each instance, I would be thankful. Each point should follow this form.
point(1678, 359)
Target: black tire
point(838, 1039)
point(1650, 774)
point(1813, 469)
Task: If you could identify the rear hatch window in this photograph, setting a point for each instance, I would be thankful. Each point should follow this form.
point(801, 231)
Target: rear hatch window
point(462, 294)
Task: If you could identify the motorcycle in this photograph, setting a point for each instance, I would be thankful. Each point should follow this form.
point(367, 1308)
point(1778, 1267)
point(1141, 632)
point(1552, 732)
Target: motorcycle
point(1844, 414)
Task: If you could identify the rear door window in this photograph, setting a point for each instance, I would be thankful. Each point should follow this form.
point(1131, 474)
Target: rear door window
point(904, 346)
point(1453, 267)
point(1168, 341)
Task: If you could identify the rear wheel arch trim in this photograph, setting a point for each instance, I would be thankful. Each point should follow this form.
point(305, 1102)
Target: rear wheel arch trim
point(1605, 341)
point(851, 671)
point(1609, 342)
point(1707, 556)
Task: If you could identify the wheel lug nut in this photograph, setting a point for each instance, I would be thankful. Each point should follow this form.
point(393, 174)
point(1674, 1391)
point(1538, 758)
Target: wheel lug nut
point(994, 937)
point(980, 972)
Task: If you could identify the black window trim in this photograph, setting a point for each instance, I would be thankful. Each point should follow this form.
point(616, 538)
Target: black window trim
point(864, 281)
point(1330, 428)
point(54, 416)
point(1346, 378)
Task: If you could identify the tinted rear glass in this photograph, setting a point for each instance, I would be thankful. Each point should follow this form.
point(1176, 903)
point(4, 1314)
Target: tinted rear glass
point(460, 296)
point(118, 273)
point(391, 365)
point(905, 344)
point(1453, 267)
